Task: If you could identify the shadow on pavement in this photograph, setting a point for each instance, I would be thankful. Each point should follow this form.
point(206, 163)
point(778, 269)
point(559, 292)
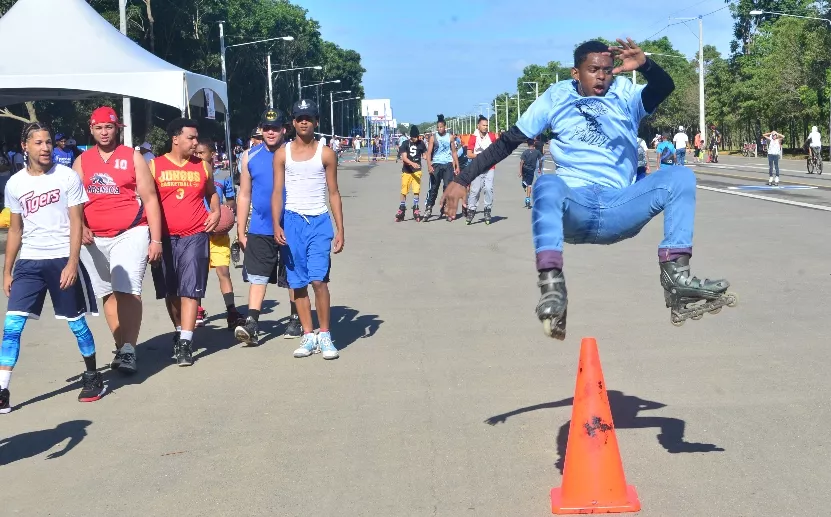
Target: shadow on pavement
point(348, 325)
point(625, 410)
point(494, 219)
point(31, 444)
point(153, 356)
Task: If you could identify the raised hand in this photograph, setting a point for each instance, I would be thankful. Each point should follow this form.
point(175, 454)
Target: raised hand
point(630, 55)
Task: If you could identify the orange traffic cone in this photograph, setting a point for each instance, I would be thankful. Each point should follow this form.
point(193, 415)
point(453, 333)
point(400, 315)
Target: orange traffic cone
point(593, 479)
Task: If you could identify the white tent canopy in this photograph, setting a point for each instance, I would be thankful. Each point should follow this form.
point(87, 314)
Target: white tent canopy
point(63, 49)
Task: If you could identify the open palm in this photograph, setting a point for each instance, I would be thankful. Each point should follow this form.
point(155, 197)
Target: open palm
point(630, 55)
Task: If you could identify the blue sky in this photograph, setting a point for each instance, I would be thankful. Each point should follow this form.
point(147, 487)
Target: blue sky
point(446, 57)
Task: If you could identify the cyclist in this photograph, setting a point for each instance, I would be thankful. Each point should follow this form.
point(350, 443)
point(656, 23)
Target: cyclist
point(814, 142)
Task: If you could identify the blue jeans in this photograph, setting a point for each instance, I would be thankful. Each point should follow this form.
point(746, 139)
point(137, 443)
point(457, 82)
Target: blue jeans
point(603, 215)
point(680, 156)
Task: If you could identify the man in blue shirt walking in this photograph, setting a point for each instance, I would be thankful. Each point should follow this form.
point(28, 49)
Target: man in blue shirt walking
point(594, 198)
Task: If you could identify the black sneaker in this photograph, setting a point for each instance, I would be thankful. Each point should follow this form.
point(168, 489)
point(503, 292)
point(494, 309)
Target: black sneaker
point(5, 405)
point(116, 360)
point(248, 332)
point(293, 329)
point(184, 355)
point(234, 319)
point(93, 387)
point(126, 358)
point(175, 345)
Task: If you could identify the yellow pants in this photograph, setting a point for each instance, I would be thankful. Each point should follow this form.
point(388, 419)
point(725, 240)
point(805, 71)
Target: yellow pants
point(220, 250)
point(410, 179)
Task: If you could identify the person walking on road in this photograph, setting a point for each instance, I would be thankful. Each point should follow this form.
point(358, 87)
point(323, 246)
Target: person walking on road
point(46, 201)
point(774, 140)
point(308, 171)
point(122, 230)
point(681, 140)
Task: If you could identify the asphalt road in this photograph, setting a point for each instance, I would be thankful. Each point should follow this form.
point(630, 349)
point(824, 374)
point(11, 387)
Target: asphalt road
point(448, 400)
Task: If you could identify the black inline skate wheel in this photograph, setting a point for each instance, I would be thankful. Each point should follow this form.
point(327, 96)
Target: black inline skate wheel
point(716, 310)
point(676, 320)
point(733, 299)
point(696, 317)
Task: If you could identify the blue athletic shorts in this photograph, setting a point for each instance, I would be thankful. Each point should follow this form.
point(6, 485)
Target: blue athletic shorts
point(32, 279)
point(184, 268)
point(309, 244)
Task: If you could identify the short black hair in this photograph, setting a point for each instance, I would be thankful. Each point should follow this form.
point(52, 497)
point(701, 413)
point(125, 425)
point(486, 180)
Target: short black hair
point(589, 47)
point(481, 118)
point(206, 141)
point(176, 125)
point(530, 141)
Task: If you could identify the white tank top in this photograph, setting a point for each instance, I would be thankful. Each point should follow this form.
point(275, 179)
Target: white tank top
point(306, 184)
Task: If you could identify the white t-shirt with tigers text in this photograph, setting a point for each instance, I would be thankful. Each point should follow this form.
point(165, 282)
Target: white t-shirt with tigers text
point(43, 201)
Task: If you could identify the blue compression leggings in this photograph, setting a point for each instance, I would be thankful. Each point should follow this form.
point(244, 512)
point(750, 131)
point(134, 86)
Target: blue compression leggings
point(13, 328)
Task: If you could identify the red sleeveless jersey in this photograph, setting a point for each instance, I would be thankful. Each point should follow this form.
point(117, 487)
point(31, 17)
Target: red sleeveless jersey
point(114, 205)
point(182, 194)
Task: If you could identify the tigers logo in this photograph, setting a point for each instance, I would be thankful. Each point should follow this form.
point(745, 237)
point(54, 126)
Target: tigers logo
point(32, 203)
point(102, 183)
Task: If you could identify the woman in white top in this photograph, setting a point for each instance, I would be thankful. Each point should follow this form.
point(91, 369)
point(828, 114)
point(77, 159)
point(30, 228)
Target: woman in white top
point(774, 152)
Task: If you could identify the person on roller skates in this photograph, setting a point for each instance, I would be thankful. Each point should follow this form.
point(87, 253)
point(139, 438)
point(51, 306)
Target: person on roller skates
point(477, 143)
point(593, 198)
point(411, 152)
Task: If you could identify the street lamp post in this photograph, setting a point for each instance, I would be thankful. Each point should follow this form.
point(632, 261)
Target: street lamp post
point(757, 12)
point(222, 49)
point(270, 73)
point(701, 121)
point(342, 107)
point(332, 110)
point(536, 88)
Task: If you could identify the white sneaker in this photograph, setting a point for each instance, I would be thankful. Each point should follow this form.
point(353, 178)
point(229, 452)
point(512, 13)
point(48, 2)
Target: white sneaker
point(770, 182)
point(776, 181)
point(327, 348)
point(308, 346)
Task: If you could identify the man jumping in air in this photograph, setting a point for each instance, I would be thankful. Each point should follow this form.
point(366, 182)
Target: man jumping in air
point(593, 197)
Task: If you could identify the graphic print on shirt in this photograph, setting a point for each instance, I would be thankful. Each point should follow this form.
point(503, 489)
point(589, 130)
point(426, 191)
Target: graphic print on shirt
point(32, 203)
point(592, 131)
point(102, 183)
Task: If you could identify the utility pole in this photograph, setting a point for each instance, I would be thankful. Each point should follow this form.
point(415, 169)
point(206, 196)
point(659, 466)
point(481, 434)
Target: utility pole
point(701, 121)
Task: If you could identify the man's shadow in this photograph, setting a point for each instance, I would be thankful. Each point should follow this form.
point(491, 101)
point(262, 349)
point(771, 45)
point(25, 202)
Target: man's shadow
point(153, 356)
point(625, 410)
point(31, 444)
point(348, 325)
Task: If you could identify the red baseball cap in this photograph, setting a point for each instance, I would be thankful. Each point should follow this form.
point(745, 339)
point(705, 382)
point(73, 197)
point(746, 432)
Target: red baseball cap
point(104, 115)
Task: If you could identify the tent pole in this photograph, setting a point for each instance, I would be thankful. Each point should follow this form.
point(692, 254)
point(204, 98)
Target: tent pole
point(126, 109)
point(227, 111)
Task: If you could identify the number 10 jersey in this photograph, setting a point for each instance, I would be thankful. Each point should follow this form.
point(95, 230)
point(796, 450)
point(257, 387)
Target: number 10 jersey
point(114, 205)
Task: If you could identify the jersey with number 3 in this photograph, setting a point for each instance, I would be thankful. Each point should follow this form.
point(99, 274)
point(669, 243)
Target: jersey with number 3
point(114, 205)
point(182, 194)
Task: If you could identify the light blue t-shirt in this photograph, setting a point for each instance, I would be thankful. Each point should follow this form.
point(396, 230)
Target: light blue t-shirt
point(441, 145)
point(595, 138)
point(666, 152)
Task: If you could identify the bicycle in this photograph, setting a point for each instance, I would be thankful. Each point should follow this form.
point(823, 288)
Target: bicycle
point(814, 163)
point(748, 150)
